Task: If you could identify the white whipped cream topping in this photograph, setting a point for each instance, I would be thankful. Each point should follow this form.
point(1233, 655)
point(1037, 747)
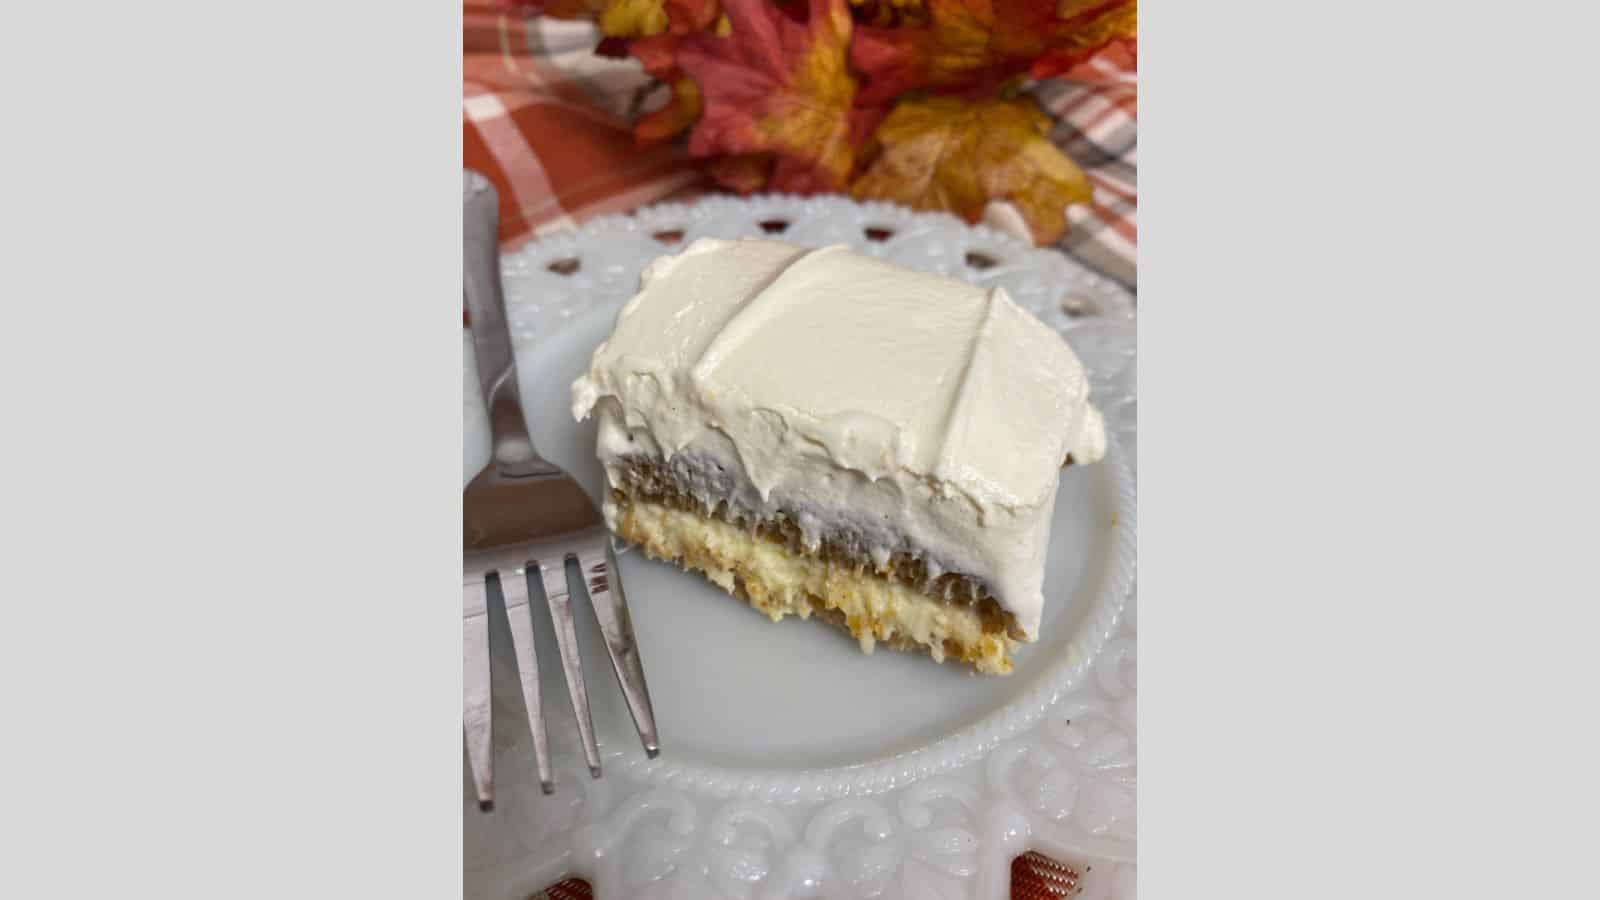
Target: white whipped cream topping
point(916, 409)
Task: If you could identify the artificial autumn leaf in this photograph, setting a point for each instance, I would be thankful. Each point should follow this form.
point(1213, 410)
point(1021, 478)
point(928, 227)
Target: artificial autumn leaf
point(888, 13)
point(643, 18)
point(681, 111)
point(744, 173)
point(1117, 25)
point(779, 86)
point(632, 18)
point(658, 53)
point(977, 44)
point(1114, 67)
point(948, 154)
point(659, 56)
point(689, 16)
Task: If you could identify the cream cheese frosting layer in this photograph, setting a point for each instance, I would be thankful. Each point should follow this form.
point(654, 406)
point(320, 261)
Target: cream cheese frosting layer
point(838, 383)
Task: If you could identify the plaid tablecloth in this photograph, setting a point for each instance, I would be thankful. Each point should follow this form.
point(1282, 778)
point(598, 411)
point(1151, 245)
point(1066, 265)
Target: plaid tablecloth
point(549, 123)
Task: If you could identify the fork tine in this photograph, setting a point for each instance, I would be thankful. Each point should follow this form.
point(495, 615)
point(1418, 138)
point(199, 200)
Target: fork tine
point(476, 719)
point(554, 577)
point(514, 588)
point(611, 609)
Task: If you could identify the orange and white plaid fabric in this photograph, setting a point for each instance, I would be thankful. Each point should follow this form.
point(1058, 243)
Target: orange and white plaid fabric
point(549, 123)
point(1095, 108)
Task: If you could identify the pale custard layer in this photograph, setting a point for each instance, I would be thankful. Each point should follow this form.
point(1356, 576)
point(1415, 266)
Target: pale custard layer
point(780, 583)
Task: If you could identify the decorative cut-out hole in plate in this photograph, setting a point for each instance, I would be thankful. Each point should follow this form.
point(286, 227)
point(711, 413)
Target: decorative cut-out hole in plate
point(775, 226)
point(670, 236)
point(566, 266)
point(1077, 306)
point(1052, 878)
point(878, 233)
point(980, 261)
point(567, 889)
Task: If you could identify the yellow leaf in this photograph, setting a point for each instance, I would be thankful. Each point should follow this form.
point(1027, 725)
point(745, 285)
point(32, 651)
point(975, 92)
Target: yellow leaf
point(633, 18)
point(645, 18)
point(979, 44)
point(940, 153)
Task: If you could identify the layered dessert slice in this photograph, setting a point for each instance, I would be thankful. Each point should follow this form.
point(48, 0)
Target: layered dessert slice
point(823, 433)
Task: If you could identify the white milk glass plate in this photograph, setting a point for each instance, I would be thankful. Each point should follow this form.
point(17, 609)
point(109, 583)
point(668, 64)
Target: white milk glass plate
point(792, 765)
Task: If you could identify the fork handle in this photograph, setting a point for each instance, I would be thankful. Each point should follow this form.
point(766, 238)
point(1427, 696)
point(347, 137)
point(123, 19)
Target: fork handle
point(491, 339)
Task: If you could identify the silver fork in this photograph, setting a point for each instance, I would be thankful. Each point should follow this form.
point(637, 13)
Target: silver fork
point(524, 515)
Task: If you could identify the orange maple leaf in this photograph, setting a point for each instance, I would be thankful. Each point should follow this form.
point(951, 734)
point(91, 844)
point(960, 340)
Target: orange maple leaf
point(658, 53)
point(956, 155)
point(780, 86)
point(977, 44)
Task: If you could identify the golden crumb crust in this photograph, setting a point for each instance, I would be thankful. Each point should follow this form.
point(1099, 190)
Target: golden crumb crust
point(779, 579)
point(641, 479)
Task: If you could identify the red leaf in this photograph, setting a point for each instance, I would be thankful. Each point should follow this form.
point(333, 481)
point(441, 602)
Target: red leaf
point(658, 53)
point(688, 16)
point(778, 86)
